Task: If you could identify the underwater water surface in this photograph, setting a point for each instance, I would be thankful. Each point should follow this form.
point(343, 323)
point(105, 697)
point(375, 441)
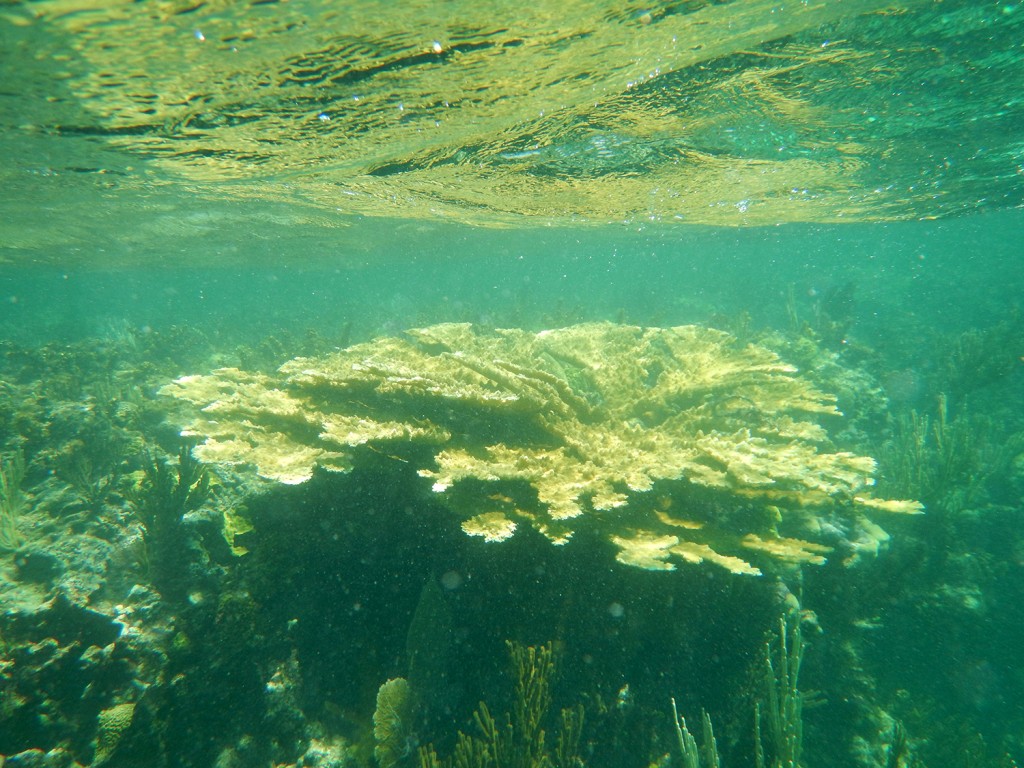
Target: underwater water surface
point(599, 385)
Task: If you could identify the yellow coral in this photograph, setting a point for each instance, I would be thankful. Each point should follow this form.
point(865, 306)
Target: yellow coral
point(564, 428)
point(492, 526)
point(112, 724)
point(391, 722)
point(891, 505)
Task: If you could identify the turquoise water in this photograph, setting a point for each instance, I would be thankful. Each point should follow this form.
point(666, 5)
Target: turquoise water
point(947, 276)
point(193, 188)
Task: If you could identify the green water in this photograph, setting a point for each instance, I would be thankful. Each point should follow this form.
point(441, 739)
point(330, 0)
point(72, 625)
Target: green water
point(188, 187)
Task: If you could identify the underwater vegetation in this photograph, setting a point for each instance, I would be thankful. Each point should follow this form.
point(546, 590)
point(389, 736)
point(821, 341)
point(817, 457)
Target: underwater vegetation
point(292, 584)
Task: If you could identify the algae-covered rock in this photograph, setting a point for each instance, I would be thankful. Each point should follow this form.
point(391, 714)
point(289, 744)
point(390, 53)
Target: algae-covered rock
point(674, 443)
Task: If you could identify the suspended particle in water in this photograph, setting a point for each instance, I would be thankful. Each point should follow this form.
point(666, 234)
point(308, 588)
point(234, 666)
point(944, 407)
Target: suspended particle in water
point(451, 580)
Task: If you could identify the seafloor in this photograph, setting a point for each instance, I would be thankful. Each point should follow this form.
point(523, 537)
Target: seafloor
point(158, 612)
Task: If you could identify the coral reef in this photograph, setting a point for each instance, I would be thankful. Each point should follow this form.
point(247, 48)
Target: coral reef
point(12, 500)
point(694, 756)
point(782, 706)
point(60, 664)
point(162, 498)
point(950, 460)
point(131, 634)
point(673, 443)
point(391, 723)
point(779, 703)
point(519, 739)
point(978, 358)
point(112, 723)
